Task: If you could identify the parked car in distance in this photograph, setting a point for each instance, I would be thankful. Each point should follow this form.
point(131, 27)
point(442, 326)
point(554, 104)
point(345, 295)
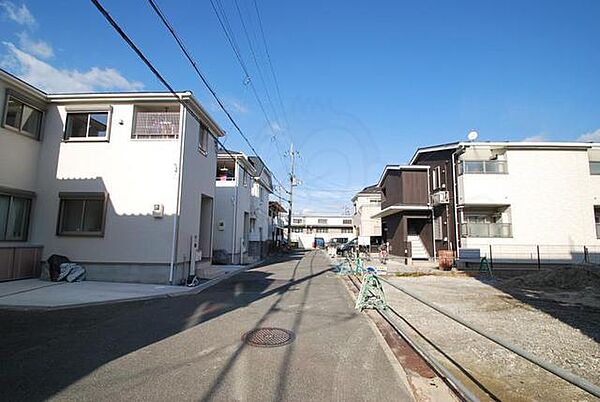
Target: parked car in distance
point(337, 241)
point(344, 248)
point(319, 242)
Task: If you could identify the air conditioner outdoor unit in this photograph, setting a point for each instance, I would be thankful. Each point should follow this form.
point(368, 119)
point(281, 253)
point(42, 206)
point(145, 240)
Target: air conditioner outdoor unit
point(440, 197)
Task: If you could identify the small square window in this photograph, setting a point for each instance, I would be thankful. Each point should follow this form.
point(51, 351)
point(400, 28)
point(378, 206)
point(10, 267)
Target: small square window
point(22, 117)
point(81, 214)
point(203, 138)
point(14, 217)
point(91, 126)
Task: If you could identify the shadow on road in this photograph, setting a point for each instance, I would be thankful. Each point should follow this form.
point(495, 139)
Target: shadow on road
point(43, 352)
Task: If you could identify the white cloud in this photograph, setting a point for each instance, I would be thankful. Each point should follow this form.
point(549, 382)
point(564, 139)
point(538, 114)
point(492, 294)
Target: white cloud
point(49, 78)
point(35, 47)
point(593, 136)
point(20, 15)
point(535, 138)
point(238, 106)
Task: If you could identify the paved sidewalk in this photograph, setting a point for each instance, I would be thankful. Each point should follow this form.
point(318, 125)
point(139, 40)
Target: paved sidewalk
point(38, 294)
point(190, 348)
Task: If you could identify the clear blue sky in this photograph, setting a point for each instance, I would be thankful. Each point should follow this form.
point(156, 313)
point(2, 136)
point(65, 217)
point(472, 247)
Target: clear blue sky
point(363, 84)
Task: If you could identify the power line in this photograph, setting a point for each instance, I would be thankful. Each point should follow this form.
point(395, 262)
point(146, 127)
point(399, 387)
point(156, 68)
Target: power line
point(187, 54)
point(262, 31)
point(230, 36)
point(156, 73)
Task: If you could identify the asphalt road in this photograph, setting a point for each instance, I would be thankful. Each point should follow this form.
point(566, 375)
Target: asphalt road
point(190, 348)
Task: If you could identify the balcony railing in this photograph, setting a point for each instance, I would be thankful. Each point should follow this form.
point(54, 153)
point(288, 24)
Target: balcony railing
point(483, 167)
point(156, 125)
point(486, 229)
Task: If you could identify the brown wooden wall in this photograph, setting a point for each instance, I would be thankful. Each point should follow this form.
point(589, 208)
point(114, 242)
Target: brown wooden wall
point(405, 187)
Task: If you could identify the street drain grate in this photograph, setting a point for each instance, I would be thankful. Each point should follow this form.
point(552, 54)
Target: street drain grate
point(268, 337)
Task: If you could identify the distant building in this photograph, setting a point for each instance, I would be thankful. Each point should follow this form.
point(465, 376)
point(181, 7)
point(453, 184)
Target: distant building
point(276, 224)
point(473, 195)
point(241, 229)
point(305, 228)
point(367, 203)
point(120, 182)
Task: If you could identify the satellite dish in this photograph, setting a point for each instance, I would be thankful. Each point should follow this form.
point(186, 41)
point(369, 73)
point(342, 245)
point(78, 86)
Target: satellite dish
point(472, 136)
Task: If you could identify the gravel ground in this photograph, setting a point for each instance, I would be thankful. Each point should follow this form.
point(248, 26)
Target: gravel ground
point(566, 333)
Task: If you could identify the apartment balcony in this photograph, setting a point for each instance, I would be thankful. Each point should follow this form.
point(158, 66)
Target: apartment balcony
point(156, 125)
point(495, 230)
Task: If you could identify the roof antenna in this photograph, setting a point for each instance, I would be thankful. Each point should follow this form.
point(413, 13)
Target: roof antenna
point(472, 136)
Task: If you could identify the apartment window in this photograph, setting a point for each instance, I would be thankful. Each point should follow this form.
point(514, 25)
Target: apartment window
point(90, 126)
point(347, 230)
point(297, 230)
point(81, 214)
point(203, 139)
point(245, 178)
point(156, 123)
point(297, 220)
point(347, 222)
point(595, 167)
point(14, 217)
point(436, 178)
point(322, 221)
point(483, 167)
point(23, 118)
point(597, 219)
point(438, 228)
point(375, 201)
point(322, 230)
point(485, 224)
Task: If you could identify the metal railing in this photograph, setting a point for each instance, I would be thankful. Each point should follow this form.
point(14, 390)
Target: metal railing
point(509, 256)
point(486, 229)
point(156, 125)
point(483, 167)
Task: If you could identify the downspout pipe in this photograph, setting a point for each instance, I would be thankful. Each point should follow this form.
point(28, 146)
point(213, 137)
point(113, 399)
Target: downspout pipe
point(235, 211)
point(455, 200)
point(175, 240)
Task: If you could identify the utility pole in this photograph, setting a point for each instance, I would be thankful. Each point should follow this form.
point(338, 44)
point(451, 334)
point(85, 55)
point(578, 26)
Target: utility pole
point(292, 155)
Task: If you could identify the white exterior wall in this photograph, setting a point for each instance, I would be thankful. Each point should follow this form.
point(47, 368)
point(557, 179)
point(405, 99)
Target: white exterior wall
point(226, 211)
point(136, 174)
point(19, 154)
point(365, 209)
point(551, 194)
point(198, 180)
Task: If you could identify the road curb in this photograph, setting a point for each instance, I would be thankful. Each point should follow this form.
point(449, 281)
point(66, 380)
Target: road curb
point(191, 291)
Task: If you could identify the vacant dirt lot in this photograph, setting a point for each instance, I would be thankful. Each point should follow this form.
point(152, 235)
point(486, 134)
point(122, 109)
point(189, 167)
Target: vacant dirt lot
point(560, 324)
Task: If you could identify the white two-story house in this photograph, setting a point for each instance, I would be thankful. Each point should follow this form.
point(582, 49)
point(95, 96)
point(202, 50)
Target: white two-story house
point(512, 199)
point(241, 227)
point(367, 203)
point(122, 183)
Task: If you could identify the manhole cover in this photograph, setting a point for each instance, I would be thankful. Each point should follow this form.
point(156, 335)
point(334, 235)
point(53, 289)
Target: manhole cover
point(268, 337)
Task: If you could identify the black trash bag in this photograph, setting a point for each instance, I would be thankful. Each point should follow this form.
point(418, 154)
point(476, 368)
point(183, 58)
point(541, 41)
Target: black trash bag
point(54, 263)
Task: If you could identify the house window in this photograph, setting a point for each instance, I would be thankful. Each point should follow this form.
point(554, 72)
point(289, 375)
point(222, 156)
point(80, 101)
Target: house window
point(438, 228)
point(245, 178)
point(297, 230)
point(156, 123)
point(597, 219)
point(14, 217)
point(322, 230)
point(483, 167)
point(595, 167)
point(81, 214)
point(488, 223)
point(322, 221)
point(203, 139)
point(22, 117)
point(347, 230)
point(347, 222)
point(297, 220)
point(90, 126)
